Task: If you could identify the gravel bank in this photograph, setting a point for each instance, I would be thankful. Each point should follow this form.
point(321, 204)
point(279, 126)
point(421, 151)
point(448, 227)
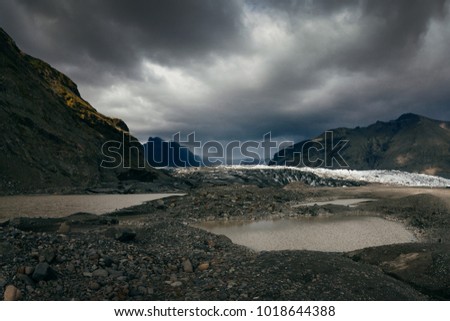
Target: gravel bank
point(150, 252)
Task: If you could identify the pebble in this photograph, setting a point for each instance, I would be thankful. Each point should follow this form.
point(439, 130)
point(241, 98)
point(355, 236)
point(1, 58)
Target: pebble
point(43, 272)
point(93, 255)
point(25, 279)
point(12, 293)
point(107, 261)
point(121, 234)
point(100, 273)
point(29, 270)
point(187, 266)
point(5, 248)
point(115, 273)
point(64, 228)
point(94, 286)
point(203, 266)
point(48, 255)
point(160, 204)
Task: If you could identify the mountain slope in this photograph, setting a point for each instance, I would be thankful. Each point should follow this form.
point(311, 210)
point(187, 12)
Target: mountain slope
point(51, 137)
point(410, 143)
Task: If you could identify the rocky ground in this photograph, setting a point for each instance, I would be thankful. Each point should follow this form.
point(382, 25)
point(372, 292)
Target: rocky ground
point(152, 251)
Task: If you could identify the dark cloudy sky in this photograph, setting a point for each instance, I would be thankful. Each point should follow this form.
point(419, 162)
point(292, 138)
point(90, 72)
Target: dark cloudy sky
point(238, 69)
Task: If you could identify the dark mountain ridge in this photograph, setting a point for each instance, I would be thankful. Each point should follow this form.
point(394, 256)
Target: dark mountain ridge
point(51, 137)
point(160, 153)
point(410, 143)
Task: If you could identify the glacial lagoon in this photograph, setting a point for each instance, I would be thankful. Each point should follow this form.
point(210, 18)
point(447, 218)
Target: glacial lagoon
point(64, 205)
point(328, 234)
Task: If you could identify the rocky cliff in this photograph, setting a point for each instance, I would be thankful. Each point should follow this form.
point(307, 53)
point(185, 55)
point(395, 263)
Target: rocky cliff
point(51, 137)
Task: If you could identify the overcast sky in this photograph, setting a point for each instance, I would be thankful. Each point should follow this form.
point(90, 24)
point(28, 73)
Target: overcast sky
point(238, 69)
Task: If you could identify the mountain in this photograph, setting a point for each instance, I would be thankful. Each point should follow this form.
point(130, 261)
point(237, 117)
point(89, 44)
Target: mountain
point(411, 143)
point(160, 153)
point(51, 137)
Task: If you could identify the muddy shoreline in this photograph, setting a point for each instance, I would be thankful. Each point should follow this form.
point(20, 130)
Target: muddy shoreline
point(151, 251)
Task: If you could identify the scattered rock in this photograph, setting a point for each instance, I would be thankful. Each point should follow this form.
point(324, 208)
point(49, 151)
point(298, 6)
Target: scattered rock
point(25, 279)
point(158, 264)
point(107, 261)
point(64, 228)
point(100, 273)
point(404, 263)
point(5, 248)
point(43, 272)
point(114, 273)
point(89, 219)
point(423, 266)
point(93, 255)
point(48, 255)
point(187, 266)
point(35, 224)
point(121, 234)
point(12, 293)
point(29, 270)
point(160, 204)
point(94, 286)
point(203, 266)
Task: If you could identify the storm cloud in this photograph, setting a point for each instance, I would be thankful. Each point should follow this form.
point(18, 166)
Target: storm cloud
point(238, 69)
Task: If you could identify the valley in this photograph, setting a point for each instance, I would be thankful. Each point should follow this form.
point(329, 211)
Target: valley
point(72, 229)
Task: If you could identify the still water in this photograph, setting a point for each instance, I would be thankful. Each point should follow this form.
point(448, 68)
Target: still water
point(63, 205)
point(351, 202)
point(331, 234)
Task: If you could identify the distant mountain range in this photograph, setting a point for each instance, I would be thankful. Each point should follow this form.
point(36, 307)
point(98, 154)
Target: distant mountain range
point(51, 138)
point(411, 143)
point(160, 153)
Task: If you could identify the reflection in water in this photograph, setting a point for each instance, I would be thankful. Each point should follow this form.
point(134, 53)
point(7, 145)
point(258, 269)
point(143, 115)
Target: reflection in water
point(63, 205)
point(330, 234)
point(351, 202)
